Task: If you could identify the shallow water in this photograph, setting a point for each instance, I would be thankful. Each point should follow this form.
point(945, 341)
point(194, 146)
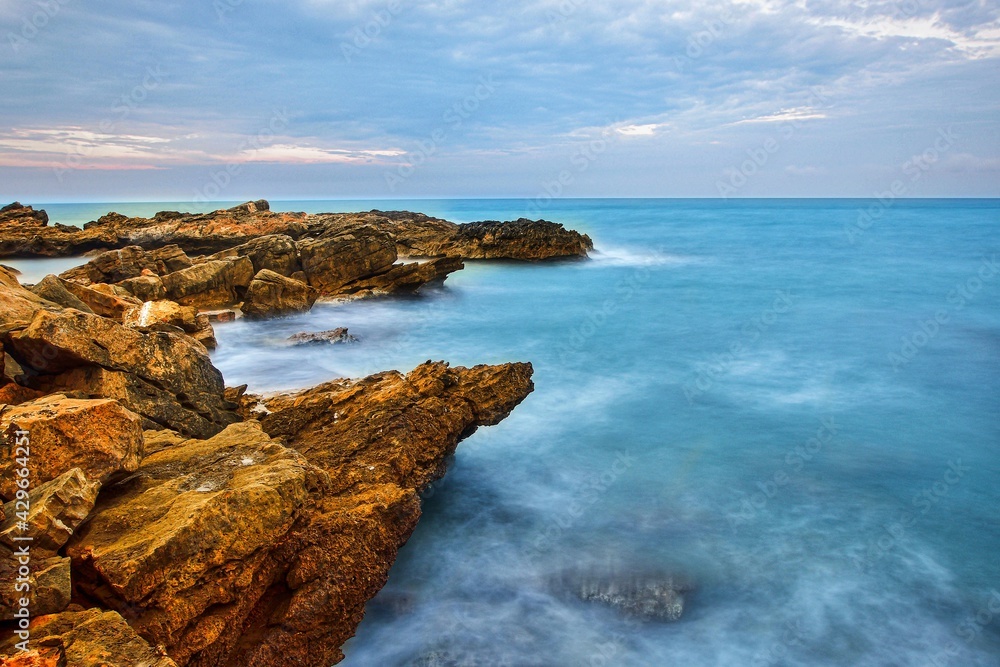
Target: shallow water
point(715, 399)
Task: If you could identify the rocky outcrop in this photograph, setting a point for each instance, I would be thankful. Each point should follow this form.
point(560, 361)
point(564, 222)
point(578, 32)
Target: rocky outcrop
point(169, 316)
point(99, 437)
point(273, 295)
point(344, 256)
point(166, 378)
point(211, 284)
point(276, 252)
point(52, 288)
point(223, 231)
point(115, 266)
point(81, 639)
point(404, 277)
point(102, 299)
point(56, 509)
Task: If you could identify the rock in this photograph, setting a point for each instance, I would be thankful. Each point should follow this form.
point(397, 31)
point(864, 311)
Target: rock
point(211, 284)
point(183, 546)
point(344, 256)
point(272, 295)
point(25, 232)
point(18, 305)
point(648, 596)
point(56, 508)
point(403, 278)
point(83, 639)
point(114, 266)
point(15, 394)
point(332, 337)
point(50, 581)
point(101, 299)
point(150, 315)
point(168, 379)
point(276, 252)
point(217, 316)
point(145, 288)
point(100, 437)
point(52, 289)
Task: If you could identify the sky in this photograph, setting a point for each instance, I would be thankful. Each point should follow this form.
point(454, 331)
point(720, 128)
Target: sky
point(223, 100)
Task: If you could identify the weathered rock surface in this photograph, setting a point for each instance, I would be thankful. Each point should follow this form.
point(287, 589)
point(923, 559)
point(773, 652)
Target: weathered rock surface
point(115, 266)
point(167, 316)
point(331, 337)
point(52, 288)
point(273, 295)
point(344, 256)
point(276, 252)
point(19, 305)
point(50, 581)
point(102, 299)
point(98, 436)
point(413, 234)
point(405, 277)
point(56, 508)
point(211, 284)
point(83, 639)
point(168, 379)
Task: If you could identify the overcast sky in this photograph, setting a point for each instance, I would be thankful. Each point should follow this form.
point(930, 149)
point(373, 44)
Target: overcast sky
point(153, 100)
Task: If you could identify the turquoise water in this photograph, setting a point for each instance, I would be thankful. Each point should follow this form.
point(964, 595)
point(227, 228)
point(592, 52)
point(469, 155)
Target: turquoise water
point(796, 413)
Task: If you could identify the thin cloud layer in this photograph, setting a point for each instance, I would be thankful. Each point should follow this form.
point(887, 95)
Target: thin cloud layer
point(333, 98)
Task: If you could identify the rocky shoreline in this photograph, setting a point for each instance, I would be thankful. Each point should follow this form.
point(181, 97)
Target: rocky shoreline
point(175, 521)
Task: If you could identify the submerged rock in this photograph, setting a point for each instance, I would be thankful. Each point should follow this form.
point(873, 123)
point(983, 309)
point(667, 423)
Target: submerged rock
point(331, 337)
point(649, 596)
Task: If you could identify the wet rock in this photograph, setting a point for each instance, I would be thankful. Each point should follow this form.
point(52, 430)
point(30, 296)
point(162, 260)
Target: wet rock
point(56, 508)
point(100, 437)
point(81, 639)
point(168, 379)
point(648, 596)
point(344, 256)
point(272, 295)
point(332, 337)
point(403, 278)
point(51, 288)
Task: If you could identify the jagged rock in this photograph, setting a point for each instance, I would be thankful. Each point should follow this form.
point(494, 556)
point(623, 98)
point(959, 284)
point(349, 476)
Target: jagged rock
point(15, 394)
point(114, 266)
point(272, 295)
point(50, 582)
point(217, 316)
point(407, 277)
point(276, 252)
point(183, 547)
point(332, 337)
point(98, 436)
point(25, 232)
point(211, 284)
point(168, 379)
point(56, 508)
point(344, 256)
point(51, 288)
point(153, 314)
point(19, 305)
point(81, 639)
point(101, 299)
point(145, 288)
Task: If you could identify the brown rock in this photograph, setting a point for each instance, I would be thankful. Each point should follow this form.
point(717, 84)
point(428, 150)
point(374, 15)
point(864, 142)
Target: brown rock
point(276, 252)
point(211, 284)
point(273, 295)
point(50, 582)
point(344, 256)
point(52, 289)
point(114, 266)
point(182, 545)
point(102, 299)
point(56, 508)
point(402, 278)
point(152, 315)
point(332, 337)
point(99, 436)
point(83, 639)
point(18, 305)
point(166, 378)
point(145, 288)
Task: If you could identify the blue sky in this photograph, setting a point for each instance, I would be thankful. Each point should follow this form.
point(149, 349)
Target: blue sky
point(233, 99)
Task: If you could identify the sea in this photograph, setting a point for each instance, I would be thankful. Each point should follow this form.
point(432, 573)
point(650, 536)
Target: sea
point(789, 408)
